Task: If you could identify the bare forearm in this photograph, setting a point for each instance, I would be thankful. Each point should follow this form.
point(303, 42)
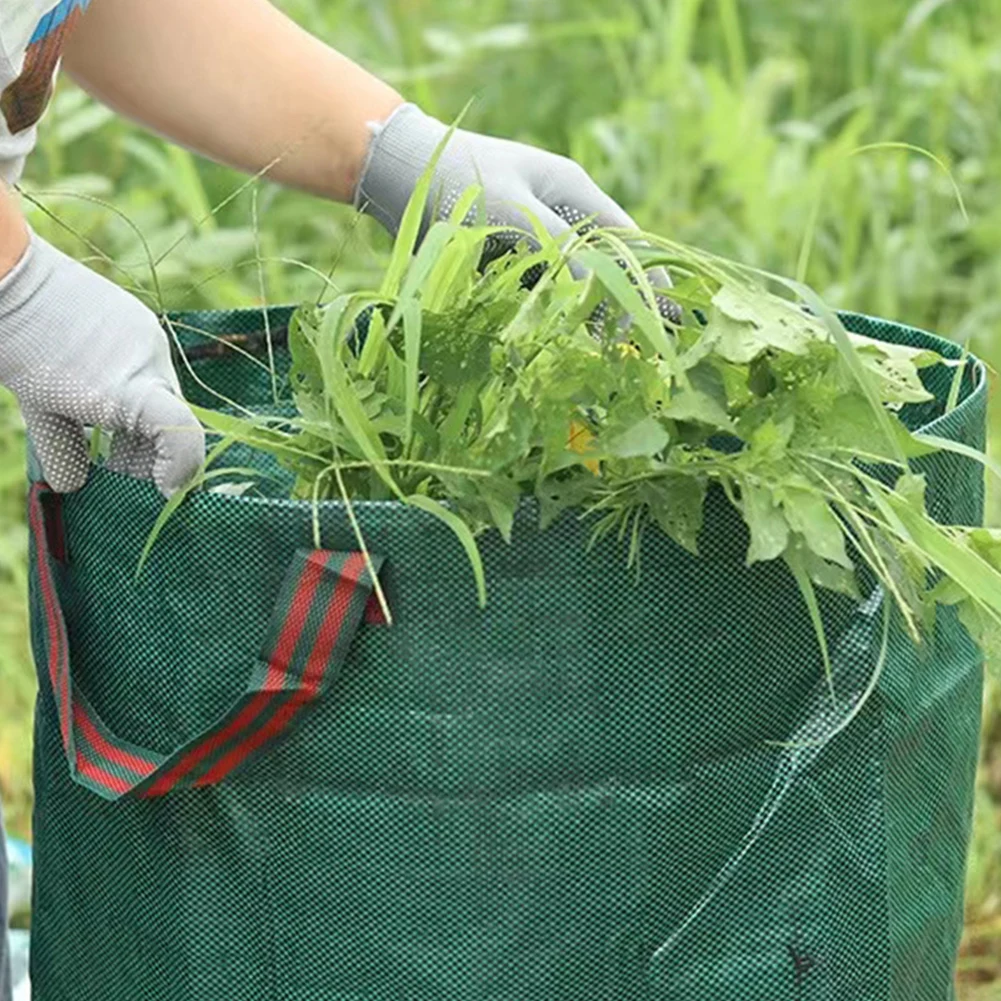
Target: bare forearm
point(13, 231)
point(237, 81)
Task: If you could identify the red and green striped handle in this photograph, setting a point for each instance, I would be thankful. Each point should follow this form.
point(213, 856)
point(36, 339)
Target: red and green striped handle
point(322, 602)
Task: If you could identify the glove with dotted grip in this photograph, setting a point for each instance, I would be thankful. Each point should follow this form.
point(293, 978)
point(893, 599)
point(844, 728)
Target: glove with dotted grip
point(514, 176)
point(77, 351)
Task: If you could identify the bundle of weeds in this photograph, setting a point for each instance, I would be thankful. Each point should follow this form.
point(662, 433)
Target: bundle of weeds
point(551, 374)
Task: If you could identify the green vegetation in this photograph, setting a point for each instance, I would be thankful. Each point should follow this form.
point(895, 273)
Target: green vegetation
point(733, 126)
point(463, 393)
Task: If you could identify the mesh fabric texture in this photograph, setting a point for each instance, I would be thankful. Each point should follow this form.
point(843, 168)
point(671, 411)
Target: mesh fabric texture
point(579, 793)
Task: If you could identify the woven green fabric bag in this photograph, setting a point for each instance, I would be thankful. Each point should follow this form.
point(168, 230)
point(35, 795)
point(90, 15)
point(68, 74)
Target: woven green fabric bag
point(597, 789)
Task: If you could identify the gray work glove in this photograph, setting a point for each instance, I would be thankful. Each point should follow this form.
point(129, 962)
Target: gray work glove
point(78, 351)
point(514, 176)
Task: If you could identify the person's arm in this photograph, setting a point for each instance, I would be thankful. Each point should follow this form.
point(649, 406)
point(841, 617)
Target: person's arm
point(237, 81)
point(13, 232)
point(240, 82)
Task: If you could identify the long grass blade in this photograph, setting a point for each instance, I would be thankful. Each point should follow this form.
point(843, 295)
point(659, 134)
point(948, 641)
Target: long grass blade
point(956, 386)
point(958, 448)
point(463, 534)
point(411, 361)
point(413, 217)
point(178, 498)
point(920, 151)
point(624, 292)
point(805, 584)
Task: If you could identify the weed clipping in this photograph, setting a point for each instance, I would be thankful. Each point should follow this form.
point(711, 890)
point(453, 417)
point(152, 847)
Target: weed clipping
point(466, 391)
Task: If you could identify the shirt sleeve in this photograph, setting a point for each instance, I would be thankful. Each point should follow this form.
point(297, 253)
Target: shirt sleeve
point(32, 36)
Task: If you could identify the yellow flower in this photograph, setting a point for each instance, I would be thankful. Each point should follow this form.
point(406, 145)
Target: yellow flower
point(580, 442)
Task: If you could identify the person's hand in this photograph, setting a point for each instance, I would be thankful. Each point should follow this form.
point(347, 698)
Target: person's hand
point(78, 351)
point(515, 178)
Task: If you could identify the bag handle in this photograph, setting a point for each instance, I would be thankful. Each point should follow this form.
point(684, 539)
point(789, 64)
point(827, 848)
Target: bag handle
point(322, 602)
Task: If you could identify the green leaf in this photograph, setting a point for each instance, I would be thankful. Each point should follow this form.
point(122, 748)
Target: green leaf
point(256, 435)
point(958, 376)
point(677, 505)
point(419, 270)
point(456, 347)
point(809, 513)
point(306, 373)
point(695, 292)
point(986, 542)
point(646, 437)
point(770, 439)
point(935, 442)
point(510, 431)
point(984, 629)
point(501, 496)
point(884, 422)
point(427, 431)
point(895, 367)
point(454, 423)
point(767, 524)
point(375, 344)
point(950, 554)
point(746, 324)
point(841, 580)
point(464, 205)
point(555, 496)
point(693, 405)
point(911, 487)
point(761, 377)
point(795, 563)
point(850, 426)
point(455, 275)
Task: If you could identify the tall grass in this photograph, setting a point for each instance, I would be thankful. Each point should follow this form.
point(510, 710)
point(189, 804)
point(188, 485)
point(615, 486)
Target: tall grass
point(726, 124)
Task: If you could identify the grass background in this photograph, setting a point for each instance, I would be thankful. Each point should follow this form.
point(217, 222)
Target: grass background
point(733, 124)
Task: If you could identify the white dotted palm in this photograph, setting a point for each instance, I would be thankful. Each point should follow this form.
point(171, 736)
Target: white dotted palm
point(78, 351)
point(515, 178)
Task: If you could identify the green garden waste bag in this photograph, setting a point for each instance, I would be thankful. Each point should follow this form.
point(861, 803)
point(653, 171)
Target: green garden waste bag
point(602, 787)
